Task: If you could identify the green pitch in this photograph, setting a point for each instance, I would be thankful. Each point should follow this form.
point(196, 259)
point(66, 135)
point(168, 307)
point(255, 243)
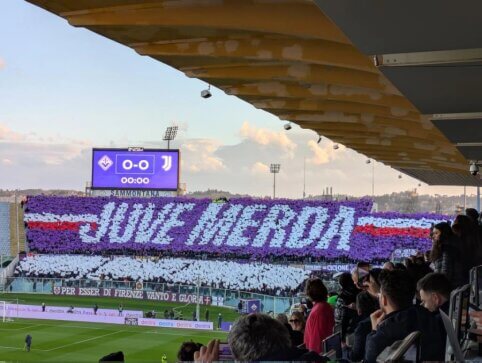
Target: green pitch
point(61, 341)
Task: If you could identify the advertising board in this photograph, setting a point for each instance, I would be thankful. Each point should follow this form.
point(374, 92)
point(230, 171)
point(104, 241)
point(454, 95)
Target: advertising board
point(145, 169)
point(132, 294)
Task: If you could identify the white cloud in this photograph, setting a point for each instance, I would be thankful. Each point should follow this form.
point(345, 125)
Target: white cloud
point(6, 134)
point(7, 162)
point(267, 137)
point(198, 156)
point(259, 168)
point(322, 153)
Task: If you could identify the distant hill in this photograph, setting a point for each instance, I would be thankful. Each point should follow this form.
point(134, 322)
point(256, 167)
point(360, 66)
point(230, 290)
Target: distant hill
point(404, 202)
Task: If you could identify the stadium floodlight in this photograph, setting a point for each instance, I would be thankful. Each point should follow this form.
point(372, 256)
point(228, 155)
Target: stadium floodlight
point(171, 133)
point(274, 169)
point(369, 161)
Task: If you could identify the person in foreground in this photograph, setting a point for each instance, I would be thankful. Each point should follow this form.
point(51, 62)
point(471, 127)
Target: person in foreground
point(258, 338)
point(398, 317)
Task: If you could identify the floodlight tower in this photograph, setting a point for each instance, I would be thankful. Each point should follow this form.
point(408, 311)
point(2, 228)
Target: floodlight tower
point(170, 135)
point(274, 169)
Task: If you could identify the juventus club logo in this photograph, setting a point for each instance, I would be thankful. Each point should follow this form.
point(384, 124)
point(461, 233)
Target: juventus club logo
point(167, 162)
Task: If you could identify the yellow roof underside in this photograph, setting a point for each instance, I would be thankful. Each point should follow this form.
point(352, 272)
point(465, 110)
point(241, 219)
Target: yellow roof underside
point(282, 56)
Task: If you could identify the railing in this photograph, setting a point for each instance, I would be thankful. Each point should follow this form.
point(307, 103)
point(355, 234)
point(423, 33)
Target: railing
point(230, 298)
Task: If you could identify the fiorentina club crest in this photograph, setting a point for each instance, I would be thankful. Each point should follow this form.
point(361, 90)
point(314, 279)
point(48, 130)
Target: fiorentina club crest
point(105, 163)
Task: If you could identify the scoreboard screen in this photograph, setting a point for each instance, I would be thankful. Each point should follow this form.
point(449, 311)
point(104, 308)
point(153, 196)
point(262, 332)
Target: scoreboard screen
point(135, 168)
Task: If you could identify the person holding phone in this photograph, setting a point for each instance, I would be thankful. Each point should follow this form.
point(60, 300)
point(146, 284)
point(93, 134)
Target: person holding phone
point(256, 337)
point(345, 312)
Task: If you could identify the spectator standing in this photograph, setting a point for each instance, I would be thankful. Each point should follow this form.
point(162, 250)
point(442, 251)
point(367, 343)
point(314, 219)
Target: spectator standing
point(28, 342)
point(194, 317)
point(206, 315)
point(96, 307)
point(345, 313)
point(43, 307)
point(121, 309)
point(240, 306)
point(445, 254)
point(471, 249)
point(321, 320)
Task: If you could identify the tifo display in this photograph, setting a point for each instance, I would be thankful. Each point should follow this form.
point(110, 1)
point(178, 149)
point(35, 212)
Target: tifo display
point(228, 274)
point(251, 227)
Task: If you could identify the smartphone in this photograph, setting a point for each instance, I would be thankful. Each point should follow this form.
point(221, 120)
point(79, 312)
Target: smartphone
point(225, 352)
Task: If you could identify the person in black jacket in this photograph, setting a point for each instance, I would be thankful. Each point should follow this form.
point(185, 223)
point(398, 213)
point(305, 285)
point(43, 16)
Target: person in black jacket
point(469, 244)
point(398, 317)
point(345, 311)
point(446, 254)
point(365, 306)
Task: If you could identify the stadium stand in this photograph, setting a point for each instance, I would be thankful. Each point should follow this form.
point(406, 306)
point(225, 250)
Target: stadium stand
point(253, 277)
point(4, 229)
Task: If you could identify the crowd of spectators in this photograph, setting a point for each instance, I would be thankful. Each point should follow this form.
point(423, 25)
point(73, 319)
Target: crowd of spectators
point(253, 277)
point(374, 307)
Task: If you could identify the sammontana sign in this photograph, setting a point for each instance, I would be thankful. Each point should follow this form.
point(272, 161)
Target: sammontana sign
point(132, 294)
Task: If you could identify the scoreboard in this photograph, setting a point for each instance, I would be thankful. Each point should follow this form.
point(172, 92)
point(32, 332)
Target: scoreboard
point(135, 168)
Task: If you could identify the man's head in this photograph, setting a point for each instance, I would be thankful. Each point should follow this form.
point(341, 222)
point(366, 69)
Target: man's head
point(282, 318)
point(472, 214)
point(434, 290)
point(365, 304)
point(257, 336)
point(316, 290)
point(397, 290)
point(187, 350)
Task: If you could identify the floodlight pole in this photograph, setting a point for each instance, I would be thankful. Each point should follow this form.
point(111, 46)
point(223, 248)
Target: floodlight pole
point(274, 169)
point(373, 179)
point(170, 135)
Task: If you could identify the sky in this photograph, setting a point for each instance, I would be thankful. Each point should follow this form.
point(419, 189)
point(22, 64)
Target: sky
point(65, 90)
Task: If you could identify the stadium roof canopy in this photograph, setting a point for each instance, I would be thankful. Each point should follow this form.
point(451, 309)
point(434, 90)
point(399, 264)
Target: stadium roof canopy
point(288, 58)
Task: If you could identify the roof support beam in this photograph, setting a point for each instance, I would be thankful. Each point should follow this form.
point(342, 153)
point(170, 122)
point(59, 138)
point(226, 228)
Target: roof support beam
point(429, 58)
point(263, 48)
point(294, 18)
